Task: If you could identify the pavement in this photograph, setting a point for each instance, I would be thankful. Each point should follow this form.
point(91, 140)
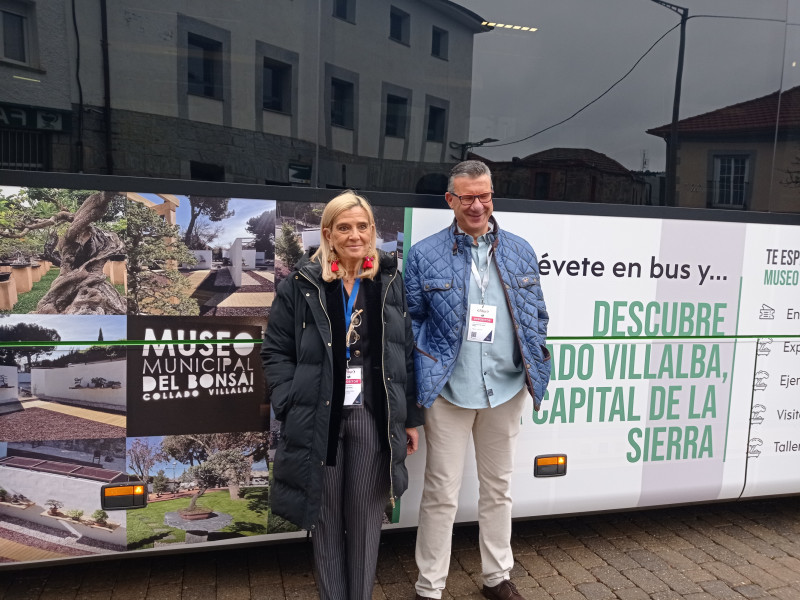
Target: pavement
point(725, 551)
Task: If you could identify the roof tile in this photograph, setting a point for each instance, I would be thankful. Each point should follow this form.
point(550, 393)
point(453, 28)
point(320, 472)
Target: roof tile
point(752, 116)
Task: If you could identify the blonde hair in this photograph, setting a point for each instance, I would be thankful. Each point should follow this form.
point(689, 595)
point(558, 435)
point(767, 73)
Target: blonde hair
point(325, 254)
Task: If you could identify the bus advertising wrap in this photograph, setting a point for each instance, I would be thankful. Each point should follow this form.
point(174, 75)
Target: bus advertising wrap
point(130, 328)
point(644, 420)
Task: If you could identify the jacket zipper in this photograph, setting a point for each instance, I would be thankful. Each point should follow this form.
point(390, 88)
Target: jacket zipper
point(321, 303)
point(386, 387)
point(322, 306)
point(516, 328)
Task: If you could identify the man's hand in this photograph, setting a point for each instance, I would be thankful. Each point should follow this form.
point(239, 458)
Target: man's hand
point(412, 440)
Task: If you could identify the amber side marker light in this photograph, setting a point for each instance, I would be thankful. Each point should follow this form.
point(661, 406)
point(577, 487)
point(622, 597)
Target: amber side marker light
point(122, 496)
point(550, 465)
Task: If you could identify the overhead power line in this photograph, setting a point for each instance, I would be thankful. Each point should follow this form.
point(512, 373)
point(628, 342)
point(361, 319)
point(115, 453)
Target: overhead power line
point(585, 106)
point(618, 81)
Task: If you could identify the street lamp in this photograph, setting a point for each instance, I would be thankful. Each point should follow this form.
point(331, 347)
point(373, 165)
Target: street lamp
point(467, 145)
point(672, 147)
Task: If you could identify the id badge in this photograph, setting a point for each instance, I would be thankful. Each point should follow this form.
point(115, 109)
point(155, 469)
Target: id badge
point(482, 322)
point(352, 387)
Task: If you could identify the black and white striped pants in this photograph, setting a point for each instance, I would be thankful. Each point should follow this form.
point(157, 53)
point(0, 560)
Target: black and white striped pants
point(354, 496)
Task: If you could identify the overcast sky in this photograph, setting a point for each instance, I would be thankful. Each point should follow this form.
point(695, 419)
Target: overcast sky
point(523, 82)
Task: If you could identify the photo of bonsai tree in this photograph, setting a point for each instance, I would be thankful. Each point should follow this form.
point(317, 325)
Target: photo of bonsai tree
point(75, 514)
point(54, 506)
point(202, 487)
point(100, 517)
point(216, 256)
point(222, 467)
point(73, 230)
point(154, 251)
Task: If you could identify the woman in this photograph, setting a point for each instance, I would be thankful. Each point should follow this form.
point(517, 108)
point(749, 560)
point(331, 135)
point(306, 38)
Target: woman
point(339, 367)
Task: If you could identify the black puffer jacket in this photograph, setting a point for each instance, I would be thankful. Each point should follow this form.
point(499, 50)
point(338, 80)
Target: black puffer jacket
point(301, 354)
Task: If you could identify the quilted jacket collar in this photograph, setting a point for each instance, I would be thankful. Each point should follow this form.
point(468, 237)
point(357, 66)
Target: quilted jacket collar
point(461, 239)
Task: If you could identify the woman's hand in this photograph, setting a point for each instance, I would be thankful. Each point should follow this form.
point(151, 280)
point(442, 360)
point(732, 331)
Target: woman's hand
point(412, 440)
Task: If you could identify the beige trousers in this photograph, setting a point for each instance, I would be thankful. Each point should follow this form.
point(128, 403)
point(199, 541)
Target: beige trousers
point(447, 430)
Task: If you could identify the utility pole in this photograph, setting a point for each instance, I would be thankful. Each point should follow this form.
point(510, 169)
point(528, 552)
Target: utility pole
point(672, 146)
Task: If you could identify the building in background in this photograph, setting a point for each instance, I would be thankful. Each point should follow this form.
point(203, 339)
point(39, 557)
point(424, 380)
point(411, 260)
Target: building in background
point(569, 174)
point(252, 91)
point(37, 96)
point(725, 157)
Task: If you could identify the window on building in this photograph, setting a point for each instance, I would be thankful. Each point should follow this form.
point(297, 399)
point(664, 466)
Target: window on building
point(396, 115)
point(205, 66)
point(14, 32)
point(729, 186)
point(24, 150)
point(541, 186)
point(342, 103)
point(345, 9)
point(277, 92)
point(439, 43)
point(399, 26)
point(437, 123)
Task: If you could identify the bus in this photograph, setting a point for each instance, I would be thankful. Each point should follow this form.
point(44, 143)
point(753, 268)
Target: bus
point(156, 187)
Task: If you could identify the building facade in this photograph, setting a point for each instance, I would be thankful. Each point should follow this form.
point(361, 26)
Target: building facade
point(741, 157)
point(234, 91)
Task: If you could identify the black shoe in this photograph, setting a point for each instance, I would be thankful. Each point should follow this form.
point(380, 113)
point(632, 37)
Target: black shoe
point(505, 590)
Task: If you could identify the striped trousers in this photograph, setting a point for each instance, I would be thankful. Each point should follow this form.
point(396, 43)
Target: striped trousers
point(354, 496)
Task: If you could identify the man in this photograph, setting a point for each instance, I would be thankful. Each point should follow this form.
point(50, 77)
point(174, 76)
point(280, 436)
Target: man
point(480, 326)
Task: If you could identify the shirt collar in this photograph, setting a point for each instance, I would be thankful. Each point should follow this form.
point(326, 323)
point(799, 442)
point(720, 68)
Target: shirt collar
point(482, 239)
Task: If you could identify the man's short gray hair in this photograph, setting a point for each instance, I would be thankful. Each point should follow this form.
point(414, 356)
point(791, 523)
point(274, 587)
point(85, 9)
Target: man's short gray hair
point(467, 168)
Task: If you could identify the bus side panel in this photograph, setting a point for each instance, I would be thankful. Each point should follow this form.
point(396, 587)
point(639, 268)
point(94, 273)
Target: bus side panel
point(771, 311)
point(644, 421)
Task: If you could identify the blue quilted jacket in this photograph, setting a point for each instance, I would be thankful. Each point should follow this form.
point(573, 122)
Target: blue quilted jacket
point(437, 278)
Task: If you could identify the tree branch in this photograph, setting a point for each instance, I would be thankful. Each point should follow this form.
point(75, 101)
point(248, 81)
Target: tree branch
point(56, 219)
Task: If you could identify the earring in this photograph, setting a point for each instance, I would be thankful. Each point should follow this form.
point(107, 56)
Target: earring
point(368, 262)
point(335, 265)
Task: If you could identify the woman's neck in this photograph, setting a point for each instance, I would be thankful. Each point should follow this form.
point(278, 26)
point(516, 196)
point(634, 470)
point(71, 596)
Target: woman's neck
point(349, 280)
point(351, 268)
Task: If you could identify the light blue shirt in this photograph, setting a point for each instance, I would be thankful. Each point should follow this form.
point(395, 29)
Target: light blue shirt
point(487, 375)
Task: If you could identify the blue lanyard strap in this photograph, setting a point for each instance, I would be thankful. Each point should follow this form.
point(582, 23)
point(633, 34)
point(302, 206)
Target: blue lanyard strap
point(348, 311)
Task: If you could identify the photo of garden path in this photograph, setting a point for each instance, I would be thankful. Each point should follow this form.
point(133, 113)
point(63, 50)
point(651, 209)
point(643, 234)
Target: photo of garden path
point(62, 252)
point(200, 255)
point(201, 488)
point(50, 499)
point(62, 392)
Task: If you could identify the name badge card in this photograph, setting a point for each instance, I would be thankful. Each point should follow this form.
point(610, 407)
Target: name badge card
point(482, 322)
point(352, 387)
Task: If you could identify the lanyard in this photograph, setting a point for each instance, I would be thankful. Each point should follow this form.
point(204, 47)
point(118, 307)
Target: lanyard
point(483, 282)
point(348, 311)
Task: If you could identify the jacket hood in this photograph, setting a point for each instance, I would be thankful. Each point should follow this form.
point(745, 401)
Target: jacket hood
point(305, 263)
